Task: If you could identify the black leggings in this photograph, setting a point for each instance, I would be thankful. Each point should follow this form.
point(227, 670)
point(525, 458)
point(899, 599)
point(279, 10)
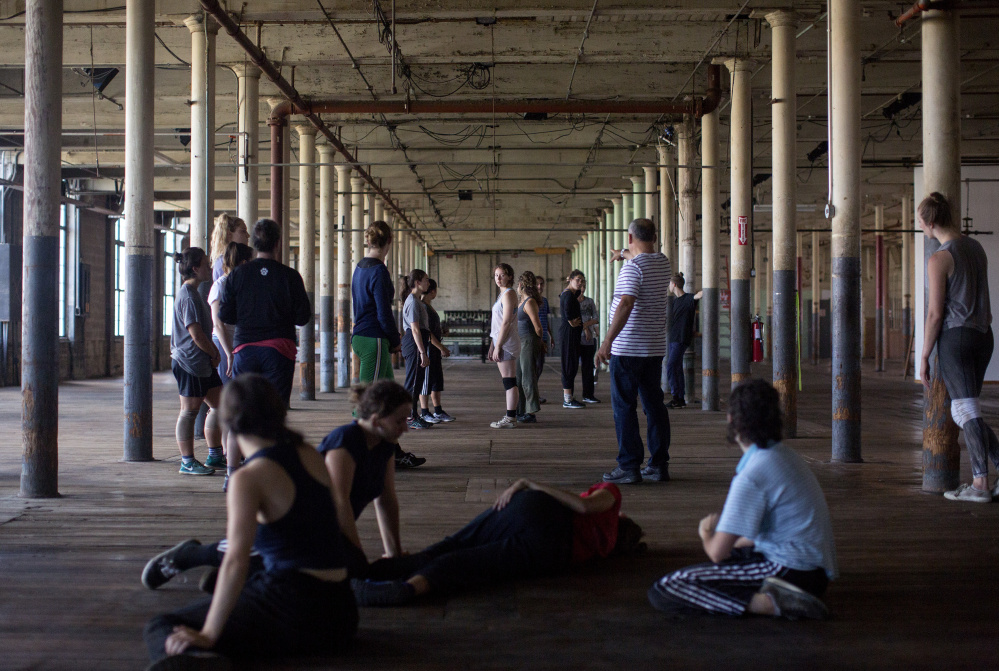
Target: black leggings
point(416, 377)
point(276, 614)
point(530, 537)
point(570, 354)
point(964, 356)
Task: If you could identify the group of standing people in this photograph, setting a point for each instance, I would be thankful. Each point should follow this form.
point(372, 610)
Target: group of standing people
point(520, 339)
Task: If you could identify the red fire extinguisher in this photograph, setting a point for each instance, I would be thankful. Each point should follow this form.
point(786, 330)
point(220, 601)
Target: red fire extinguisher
point(757, 330)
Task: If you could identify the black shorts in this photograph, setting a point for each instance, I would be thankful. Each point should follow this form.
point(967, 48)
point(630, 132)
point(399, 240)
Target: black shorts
point(435, 372)
point(191, 386)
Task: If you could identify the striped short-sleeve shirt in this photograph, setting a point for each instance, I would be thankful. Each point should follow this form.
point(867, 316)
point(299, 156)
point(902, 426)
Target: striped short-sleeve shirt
point(646, 277)
point(776, 501)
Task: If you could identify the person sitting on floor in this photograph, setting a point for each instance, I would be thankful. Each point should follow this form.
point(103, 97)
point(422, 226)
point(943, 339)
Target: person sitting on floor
point(359, 462)
point(532, 530)
point(280, 502)
point(772, 549)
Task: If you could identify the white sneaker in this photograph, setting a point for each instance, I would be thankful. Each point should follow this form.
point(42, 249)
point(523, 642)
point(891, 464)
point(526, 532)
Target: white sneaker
point(430, 417)
point(970, 494)
point(505, 423)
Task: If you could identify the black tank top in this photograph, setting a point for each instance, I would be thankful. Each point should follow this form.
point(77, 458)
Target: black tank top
point(307, 536)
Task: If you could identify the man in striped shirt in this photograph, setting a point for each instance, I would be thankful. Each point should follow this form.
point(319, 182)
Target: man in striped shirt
point(635, 346)
point(771, 549)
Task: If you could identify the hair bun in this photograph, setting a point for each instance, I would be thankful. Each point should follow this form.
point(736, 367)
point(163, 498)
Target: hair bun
point(178, 257)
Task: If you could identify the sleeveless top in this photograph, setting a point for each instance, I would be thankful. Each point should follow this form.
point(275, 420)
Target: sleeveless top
point(307, 536)
point(512, 343)
point(525, 327)
point(967, 302)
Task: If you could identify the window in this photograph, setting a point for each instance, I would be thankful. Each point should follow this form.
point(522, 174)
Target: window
point(119, 277)
point(169, 280)
point(63, 237)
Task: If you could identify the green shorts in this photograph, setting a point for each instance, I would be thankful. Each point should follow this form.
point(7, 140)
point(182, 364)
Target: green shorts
point(375, 360)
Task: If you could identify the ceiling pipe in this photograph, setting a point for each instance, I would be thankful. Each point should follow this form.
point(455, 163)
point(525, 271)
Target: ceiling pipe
point(927, 5)
point(697, 107)
point(258, 58)
point(914, 11)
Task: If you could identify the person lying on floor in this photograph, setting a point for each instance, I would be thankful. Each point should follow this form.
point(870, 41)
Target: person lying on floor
point(771, 549)
point(280, 500)
point(532, 530)
point(359, 460)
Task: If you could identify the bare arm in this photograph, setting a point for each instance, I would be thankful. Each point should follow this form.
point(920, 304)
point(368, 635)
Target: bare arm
point(937, 268)
point(598, 502)
point(387, 511)
point(718, 545)
point(244, 499)
point(531, 308)
point(222, 335)
point(418, 339)
point(340, 465)
point(204, 343)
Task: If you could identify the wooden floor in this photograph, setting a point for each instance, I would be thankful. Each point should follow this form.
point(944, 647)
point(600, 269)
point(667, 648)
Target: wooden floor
point(918, 586)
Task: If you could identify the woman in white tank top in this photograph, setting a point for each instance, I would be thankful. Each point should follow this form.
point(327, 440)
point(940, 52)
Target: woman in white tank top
point(505, 343)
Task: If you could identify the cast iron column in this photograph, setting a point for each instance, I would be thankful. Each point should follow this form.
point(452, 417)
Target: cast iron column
point(307, 255)
point(343, 214)
point(203, 31)
point(709, 261)
point(248, 100)
point(741, 247)
point(327, 271)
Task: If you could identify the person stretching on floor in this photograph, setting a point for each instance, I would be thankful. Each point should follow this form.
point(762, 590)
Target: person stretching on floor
point(532, 530)
point(280, 502)
point(772, 549)
point(359, 461)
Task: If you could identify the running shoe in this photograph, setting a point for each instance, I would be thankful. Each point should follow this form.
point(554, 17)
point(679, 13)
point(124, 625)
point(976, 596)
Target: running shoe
point(590, 399)
point(419, 423)
point(656, 474)
point(527, 418)
point(619, 476)
point(429, 417)
point(542, 400)
point(968, 493)
point(505, 422)
point(163, 566)
point(442, 416)
point(215, 462)
point(676, 403)
point(195, 467)
point(408, 460)
point(572, 404)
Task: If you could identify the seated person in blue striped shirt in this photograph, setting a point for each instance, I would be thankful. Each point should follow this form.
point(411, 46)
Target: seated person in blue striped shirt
point(771, 549)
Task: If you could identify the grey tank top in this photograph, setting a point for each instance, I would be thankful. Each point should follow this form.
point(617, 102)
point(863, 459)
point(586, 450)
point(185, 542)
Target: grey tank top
point(967, 302)
point(524, 325)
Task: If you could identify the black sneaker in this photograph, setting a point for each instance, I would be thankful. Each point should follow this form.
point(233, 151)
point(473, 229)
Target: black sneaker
point(793, 601)
point(619, 476)
point(676, 403)
point(420, 423)
point(656, 474)
point(527, 418)
point(408, 460)
point(572, 404)
point(162, 567)
point(590, 399)
point(542, 400)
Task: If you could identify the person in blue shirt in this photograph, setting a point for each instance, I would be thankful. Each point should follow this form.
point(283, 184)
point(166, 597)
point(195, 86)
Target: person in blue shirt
point(375, 336)
point(771, 549)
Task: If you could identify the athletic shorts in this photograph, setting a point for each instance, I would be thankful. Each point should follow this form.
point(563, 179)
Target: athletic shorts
point(191, 386)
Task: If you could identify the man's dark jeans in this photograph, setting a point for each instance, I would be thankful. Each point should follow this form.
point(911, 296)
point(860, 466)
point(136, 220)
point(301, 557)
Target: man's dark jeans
point(633, 377)
point(674, 370)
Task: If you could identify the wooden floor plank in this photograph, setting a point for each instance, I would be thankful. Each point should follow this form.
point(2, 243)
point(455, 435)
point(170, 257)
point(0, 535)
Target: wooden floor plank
point(917, 586)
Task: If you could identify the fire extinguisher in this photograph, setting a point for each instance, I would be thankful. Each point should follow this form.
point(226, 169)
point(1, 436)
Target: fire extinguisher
point(757, 331)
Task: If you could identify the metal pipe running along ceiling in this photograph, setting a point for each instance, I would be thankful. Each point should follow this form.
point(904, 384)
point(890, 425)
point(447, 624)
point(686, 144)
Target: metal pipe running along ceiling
point(258, 58)
point(696, 107)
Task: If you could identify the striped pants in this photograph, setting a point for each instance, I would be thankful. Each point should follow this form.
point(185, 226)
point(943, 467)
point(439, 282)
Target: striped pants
point(728, 587)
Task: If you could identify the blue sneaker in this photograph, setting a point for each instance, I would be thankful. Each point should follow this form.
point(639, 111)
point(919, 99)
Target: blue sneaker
point(195, 467)
point(215, 462)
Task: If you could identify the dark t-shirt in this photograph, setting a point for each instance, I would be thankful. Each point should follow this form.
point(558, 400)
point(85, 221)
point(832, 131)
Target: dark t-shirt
point(369, 465)
point(435, 322)
point(265, 300)
point(682, 326)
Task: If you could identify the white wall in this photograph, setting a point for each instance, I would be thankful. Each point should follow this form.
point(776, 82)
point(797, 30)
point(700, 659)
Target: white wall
point(980, 201)
point(465, 281)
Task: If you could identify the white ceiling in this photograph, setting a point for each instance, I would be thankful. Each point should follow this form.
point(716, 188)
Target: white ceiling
point(546, 178)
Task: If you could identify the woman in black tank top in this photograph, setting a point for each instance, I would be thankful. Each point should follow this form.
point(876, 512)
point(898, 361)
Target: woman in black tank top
point(958, 322)
point(301, 602)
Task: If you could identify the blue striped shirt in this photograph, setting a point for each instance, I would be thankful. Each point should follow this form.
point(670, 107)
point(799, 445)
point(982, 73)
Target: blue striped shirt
point(776, 502)
point(646, 277)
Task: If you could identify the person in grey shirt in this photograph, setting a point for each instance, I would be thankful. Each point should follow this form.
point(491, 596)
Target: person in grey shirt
point(771, 549)
point(194, 359)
